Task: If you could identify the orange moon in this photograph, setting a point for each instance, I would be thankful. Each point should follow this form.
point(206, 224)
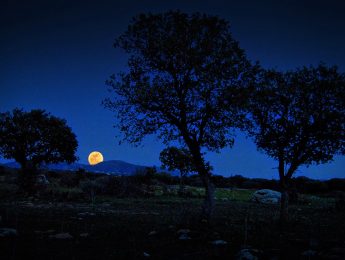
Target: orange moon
point(95, 158)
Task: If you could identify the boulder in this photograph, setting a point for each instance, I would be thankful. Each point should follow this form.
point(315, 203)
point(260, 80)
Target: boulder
point(183, 231)
point(336, 253)
point(266, 196)
point(248, 254)
point(219, 242)
point(8, 232)
point(84, 235)
point(184, 237)
point(308, 254)
point(153, 232)
point(41, 179)
point(61, 236)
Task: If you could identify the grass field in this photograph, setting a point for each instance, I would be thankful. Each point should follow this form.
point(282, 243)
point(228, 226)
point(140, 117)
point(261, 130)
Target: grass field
point(135, 228)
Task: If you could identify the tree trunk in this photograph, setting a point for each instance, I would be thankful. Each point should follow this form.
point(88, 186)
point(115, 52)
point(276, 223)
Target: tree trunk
point(284, 204)
point(199, 163)
point(181, 189)
point(27, 177)
point(208, 206)
point(284, 199)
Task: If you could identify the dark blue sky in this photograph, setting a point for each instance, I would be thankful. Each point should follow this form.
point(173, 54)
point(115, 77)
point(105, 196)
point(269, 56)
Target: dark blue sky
point(56, 55)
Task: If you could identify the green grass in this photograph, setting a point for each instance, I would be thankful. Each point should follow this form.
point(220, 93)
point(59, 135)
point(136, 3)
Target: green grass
point(233, 194)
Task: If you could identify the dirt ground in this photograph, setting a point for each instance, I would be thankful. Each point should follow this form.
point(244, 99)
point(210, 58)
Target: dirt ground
point(167, 228)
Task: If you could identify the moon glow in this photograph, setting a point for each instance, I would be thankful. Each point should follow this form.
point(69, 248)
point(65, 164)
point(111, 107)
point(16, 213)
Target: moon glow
point(95, 158)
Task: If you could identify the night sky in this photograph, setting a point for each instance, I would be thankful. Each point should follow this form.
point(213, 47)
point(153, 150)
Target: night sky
point(56, 55)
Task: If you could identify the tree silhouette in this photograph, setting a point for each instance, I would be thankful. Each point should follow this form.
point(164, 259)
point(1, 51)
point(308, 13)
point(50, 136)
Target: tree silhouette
point(36, 137)
point(174, 158)
point(180, 68)
point(299, 119)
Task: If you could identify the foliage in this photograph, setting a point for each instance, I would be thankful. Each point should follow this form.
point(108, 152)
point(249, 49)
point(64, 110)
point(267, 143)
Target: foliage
point(299, 117)
point(179, 68)
point(183, 82)
point(174, 158)
point(36, 137)
point(91, 188)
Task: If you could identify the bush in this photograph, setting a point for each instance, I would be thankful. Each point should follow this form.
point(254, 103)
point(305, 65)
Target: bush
point(69, 180)
point(90, 188)
point(336, 184)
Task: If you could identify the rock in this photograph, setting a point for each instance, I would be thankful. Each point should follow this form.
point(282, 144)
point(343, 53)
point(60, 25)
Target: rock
point(219, 242)
point(183, 231)
point(62, 236)
point(8, 232)
point(336, 253)
point(266, 196)
point(146, 254)
point(41, 179)
point(84, 235)
point(184, 236)
point(86, 214)
point(309, 253)
point(152, 233)
point(248, 254)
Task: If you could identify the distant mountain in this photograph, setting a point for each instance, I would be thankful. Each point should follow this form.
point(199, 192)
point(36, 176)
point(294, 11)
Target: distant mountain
point(114, 167)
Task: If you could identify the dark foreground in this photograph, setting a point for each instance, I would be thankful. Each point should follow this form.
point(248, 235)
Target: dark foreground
point(150, 228)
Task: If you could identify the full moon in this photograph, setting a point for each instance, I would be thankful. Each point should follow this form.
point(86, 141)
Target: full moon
point(95, 158)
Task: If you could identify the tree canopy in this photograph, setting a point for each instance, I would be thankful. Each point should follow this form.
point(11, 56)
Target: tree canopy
point(174, 158)
point(299, 117)
point(180, 68)
point(36, 137)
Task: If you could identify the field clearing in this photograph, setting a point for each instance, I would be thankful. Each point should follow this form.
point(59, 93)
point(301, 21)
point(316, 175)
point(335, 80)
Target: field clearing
point(132, 228)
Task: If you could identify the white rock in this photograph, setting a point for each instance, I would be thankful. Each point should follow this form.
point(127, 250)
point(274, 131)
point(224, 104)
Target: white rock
point(184, 236)
point(183, 231)
point(42, 179)
point(248, 254)
point(266, 196)
point(219, 242)
point(61, 236)
point(8, 232)
point(309, 253)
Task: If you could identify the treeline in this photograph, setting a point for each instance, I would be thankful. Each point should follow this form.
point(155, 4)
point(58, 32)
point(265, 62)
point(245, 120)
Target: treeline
point(301, 184)
point(150, 176)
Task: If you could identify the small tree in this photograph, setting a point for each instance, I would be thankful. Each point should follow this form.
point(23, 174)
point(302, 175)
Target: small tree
point(299, 119)
point(174, 158)
point(36, 137)
point(180, 68)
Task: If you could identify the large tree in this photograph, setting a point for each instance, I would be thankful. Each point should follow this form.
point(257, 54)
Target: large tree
point(180, 67)
point(36, 137)
point(299, 119)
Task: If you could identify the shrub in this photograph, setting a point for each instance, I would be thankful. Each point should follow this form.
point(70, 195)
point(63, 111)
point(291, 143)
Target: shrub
point(69, 180)
point(90, 188)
